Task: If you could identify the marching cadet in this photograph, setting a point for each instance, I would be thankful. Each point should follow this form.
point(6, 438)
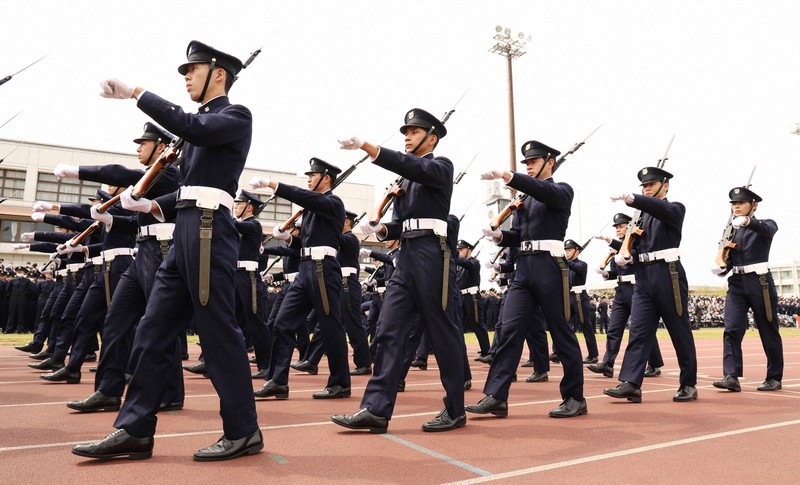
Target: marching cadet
point(661, 289)
point(579, 299)
point(468, 279)
point(621, 307)
point(318, 284)
point(541, 279)
point(423, 280)
point(750, 286)
point(379, 279)
point(216, 143)
point(19, 290)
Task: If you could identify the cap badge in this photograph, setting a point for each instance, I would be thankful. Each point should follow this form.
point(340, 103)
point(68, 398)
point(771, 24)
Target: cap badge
point(736, 191)
point(410, 115)
point(644, 171)
point(527, 147)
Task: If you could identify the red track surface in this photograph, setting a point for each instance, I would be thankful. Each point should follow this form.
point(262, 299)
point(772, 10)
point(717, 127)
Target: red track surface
point(723, 437)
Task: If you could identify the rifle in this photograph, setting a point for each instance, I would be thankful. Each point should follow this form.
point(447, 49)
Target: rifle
point(8, 78)
point(726, 243)
point(396, 189)
point(464, 172)
point(9, 120)
point(519, 201)
point(12, 150)
point(634, 227)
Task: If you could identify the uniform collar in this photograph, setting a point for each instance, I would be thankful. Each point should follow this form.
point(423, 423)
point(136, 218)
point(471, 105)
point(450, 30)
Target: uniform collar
point(213, 104)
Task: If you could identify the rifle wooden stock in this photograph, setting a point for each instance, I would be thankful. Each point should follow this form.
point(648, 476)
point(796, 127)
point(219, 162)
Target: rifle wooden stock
point(108, 204)
point(607, 259)
point(288, 223)
point(633, 229)
point(165, 160)
point(726, 244)
point(78, 238)
point(394, 191)
point(515, 204)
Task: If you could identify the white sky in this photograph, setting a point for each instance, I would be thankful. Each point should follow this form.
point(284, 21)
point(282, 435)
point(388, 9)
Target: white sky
point(721, 75)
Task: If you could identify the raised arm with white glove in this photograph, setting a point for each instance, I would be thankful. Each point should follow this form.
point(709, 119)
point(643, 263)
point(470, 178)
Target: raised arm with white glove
point(258, 182)
point(278, 234)
point(103, 217)
point(493, 234)
point(367, 228)
point(141, 205)
point(493, 175)
point(626, 197)
point(740, 221)
point(19, 247)
point(351, 143)
point(26, 237)
point(364, 252)
point(64, 171)
point(40, 206)
point(115, 89)
point(37, 216)
point(601, 271)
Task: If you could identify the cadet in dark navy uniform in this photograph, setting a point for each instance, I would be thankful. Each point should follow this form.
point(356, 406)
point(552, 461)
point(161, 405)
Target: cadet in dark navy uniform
point(661, 288)
point(422, 283)
point(750, 286)
point(318, 284)
point(621, 308)
point(579, 299)
point(468, 279)
point(217, 141)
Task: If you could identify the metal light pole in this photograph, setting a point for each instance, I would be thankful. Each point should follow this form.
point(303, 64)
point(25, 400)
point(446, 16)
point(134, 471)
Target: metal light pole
point(510, 48)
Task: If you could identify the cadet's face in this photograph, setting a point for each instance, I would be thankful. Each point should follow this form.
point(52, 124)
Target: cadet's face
point(571, 253)
point(414, 135)
point(620, 230)
point(313, 180)
point(145, 150)
point(462, 252)
point(740, 208)
point(655, 189)
point(195, 80)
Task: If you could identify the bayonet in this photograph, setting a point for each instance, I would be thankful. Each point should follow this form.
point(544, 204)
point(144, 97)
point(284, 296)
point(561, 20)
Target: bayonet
point(8, 78)
point(575, 147)
point(464, 172)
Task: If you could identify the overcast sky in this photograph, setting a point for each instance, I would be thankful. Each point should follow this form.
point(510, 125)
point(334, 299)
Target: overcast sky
point(723, 76)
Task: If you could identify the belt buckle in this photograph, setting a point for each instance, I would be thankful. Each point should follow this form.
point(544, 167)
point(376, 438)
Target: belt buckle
point(644, 258)
point(316, 253)
point(527, 246)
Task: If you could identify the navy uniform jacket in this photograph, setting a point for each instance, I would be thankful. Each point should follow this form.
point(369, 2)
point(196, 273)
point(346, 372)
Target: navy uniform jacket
point(291, 259)
point(428, 186)
point(545, 214)
point(577, 272)
point(250, 235)
point(753, 242)
point(662, 223)
point(614, 270)
point(387, 268)
point(220, 136)
point(468, 272)
point(348, 251)
point(323, 218)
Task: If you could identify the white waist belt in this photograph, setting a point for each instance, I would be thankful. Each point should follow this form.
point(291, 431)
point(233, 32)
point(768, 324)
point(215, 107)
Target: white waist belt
point(318, 252)
point(578, 289)
point(61, 272)
point(348, 270)
point(472, 290)
point(628, 278)
point(162, 232)
point(438, 226)
point(381, 289)
point(290, 276)
point(97, 261)
point(759, 268)
point(206, 197)
point(247, 265)
point(555, 247)
point(75, 267)
point(110, 254)
point(668, 255)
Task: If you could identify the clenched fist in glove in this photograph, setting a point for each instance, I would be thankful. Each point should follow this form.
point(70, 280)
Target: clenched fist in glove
point(103, 217)
point(621, 260)
point(367, 228)
point(267, 278)
point(258, 182)
point(69, 248)
point(717, 270)
point(64, 171)
point(493, 175)
point(141, 205)
point(37, 216)
point(364, 252)
point(601, 271)
point(19, 247)
point(26, 237)
point(740, 221)
point(278, 234)
point(115, 89)
point(626, 197)
point(352, 143)
point(40, 206)
point(490, 233)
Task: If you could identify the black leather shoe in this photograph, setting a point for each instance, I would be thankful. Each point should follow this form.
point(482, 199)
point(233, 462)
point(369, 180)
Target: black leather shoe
point(569, 409)
point(170, 406)
point(489, 405)
point(514, 377)
point(253, 359)
point(651, 371)
point(419, 364)
point(30, 348)
point(401, 386)
point(554, 358)
point(602, 368)
point(97, 401)
point(118, 443)
point(485, 359)
point(443, 422)
point(626, 390)
point(63, 375)
point(43, 355)
point(361, 371)
point(225, 449)
point(685, 394)
point(527, 363)
point(770, 385)
point(590, 360)
point(362, 419)
point(198, 368)
point(92, 369)
point(185, 356)
point(538, 377)
point(305, 366)
point(261, 374)
point(270, 389)
point(468, 384)
point(728, 382)
point(90, 357)
point(332, 392)
point(48, 364)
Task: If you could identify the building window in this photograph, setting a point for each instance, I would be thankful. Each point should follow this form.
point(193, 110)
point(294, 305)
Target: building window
point(11, 231)
point(12, 183)
point(277, 210)
point(68, 191)
point(786, 275)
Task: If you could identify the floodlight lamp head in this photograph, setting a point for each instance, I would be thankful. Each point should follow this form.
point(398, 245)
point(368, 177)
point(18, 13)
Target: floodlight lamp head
point(498, 28)
point(520, 36)
point(507, 31)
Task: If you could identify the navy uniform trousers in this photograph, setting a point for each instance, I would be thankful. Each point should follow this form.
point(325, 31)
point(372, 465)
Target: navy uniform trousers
point(254, 324)
point(744, 292)
point(471, 321)
point(620, 312)
point(301, 337)
point(414, 290)
point(176, 292)
point(64, 328)
point(301, 297)
point(584, 326)
point(537, 283)
point(93, 311)
point(653, 298)
point(43, 329)
point(356, 333)
point(127, 307)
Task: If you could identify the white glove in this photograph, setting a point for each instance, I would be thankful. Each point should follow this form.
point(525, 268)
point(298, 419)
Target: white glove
point(56, 262)
point(258, 182)
point(352, 143)
point(740, 221)
point(364, 252)
point(626, 197)
point(621, 261)
point(115, 89)
point(64, 171)
point(492, 175)
point(490, 233)
point(601, 237)
point(601, 271)
point(26, 237)
point(69, 248)
point(717, 270)
point(103, 217)
point(371, 282)
point(37, 216)
point(491, 265)
point(40, 206)
point(18, 247)
point(278, 234)
point(267, 278)
point(141, 205)
point(367, 228)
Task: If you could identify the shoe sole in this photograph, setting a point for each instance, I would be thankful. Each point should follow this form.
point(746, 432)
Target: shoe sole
point(732, 389)
point(580, 413)
point(278, 397)
point(770, 389)
point(629, 398)
point(684, 400)
point(176, 407)
point(370, 429)
point(95, 410)
point(499, 414)
point(338, 396)
point(538, 380)
point(247, 451)
point(67, 381)
point(449, 428)
point(131, 456)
